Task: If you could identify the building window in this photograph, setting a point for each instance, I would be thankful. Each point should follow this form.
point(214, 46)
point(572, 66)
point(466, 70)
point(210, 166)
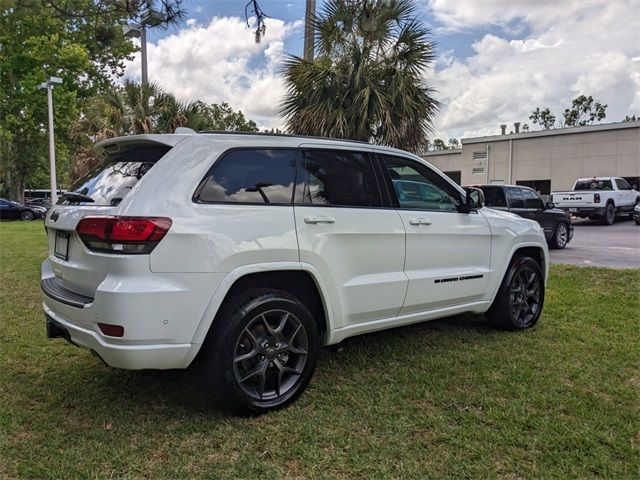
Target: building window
point(480, 155)
point(543, 187)
point(478, 170)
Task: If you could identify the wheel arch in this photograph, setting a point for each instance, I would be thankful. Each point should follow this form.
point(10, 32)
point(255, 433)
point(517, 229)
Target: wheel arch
point(535, 252)
point(299, 280)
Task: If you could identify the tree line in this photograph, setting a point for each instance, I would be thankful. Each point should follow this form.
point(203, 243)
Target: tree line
point(83, 42)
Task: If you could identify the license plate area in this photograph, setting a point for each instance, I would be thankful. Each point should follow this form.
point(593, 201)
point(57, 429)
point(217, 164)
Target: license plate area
point(573, 210)
point(61, 246)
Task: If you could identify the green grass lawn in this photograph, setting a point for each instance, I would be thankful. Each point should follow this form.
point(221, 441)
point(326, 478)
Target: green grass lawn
point(446, 399)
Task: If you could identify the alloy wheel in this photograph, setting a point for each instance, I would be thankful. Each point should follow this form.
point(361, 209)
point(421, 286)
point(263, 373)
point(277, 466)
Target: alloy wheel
point(270, 355)
point(561, 235)
point(524, 296)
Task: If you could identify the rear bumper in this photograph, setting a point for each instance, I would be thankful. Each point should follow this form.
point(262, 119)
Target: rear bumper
point(132, 357)
point(160, 314)
point(584, 211)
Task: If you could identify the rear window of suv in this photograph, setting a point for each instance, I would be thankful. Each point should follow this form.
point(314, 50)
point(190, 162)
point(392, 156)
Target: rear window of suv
point(110, 181)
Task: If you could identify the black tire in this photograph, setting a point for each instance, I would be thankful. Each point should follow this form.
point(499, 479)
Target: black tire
point(254, 363)
point(520, 299)
point(560, 236)
point(609, 214)
point(27, 215)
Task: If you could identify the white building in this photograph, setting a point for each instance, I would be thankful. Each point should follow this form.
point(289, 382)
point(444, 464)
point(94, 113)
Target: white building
point(547, 160)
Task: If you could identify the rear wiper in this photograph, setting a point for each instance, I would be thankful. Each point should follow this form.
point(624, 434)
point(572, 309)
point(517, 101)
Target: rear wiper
point(75, 197)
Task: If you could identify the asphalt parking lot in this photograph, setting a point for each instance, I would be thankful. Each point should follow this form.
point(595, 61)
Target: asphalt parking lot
point(616, 245)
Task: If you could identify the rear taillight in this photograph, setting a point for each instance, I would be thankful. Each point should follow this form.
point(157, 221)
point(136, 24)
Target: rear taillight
point(596, 198)
point(130, 235)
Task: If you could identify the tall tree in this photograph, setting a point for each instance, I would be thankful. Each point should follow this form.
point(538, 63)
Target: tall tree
point(543, 117)
point(584, 111)
point(81, 41)
point(134, 108)
point(367, 80)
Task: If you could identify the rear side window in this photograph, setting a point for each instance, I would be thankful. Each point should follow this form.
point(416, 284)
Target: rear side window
point(250, 176)
point(111, 181)
point(339, 178)
point(514, 194)
point(494, 197)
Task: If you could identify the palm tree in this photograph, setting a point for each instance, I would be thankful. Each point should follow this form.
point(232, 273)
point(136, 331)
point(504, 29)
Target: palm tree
point(130, 109)
point(367, 80)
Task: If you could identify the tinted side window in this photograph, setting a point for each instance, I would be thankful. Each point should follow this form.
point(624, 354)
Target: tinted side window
point(531, 200)
point(251, 176)
point(514, 194)
point(339, 178)
point(622, 184)
point(494, 197)
point(416, 186)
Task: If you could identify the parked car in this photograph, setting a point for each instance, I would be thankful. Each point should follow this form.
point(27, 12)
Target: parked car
point(10, 210)
point(252, 251)
point(636, 214)
point(39, 202)
point(525, 202)
point(598, 198)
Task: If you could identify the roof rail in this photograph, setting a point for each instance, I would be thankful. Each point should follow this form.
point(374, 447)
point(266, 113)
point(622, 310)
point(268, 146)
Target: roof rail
point(288, 135)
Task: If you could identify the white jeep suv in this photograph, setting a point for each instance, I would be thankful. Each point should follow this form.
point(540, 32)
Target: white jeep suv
point(252, 251)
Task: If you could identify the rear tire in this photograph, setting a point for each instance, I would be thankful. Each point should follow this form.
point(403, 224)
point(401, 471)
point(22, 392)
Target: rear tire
point(520, 299)
point(560, 236)
point(261, 351)
point(609, 214)
point(27, 216)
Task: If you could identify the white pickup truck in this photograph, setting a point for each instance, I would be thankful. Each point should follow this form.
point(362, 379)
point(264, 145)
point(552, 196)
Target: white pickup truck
point(599, 198)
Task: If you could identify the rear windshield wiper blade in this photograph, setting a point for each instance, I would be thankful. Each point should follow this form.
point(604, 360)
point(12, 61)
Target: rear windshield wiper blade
point(76, 197)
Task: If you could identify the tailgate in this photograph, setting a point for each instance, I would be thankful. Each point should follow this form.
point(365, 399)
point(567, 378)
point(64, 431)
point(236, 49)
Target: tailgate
point(572, 199)
point(99, 192)
point(72, 264)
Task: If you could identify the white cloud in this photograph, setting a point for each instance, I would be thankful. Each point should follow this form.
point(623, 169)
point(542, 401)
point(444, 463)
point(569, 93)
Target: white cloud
point(220, 62)
point(570, 48)
point(542, 53)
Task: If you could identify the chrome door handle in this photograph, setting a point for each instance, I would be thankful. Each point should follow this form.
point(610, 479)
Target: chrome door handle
point(319, 219)
point(420, 221)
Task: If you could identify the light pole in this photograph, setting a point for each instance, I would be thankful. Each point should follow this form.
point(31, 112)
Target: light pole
point(48, 86)
point(150, 18)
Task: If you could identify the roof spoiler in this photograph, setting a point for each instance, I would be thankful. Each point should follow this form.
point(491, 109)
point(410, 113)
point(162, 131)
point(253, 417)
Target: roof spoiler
point(121, 144)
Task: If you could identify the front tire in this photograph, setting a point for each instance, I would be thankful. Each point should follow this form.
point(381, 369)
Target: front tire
point(560, 236)
point(520, 299)
point(261, 351)
point(27, 216)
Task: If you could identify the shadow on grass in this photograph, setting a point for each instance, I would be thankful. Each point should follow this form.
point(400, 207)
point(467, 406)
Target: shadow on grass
point(89, 385)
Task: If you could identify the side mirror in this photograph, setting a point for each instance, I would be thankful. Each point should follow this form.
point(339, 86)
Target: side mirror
point(474, 199)
point(550, 205)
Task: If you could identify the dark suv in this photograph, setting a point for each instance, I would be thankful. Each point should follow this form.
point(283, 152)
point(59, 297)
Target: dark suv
point(525, 202)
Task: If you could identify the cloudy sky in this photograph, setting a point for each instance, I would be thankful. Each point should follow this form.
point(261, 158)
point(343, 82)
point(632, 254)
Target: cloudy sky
point(497, 59)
